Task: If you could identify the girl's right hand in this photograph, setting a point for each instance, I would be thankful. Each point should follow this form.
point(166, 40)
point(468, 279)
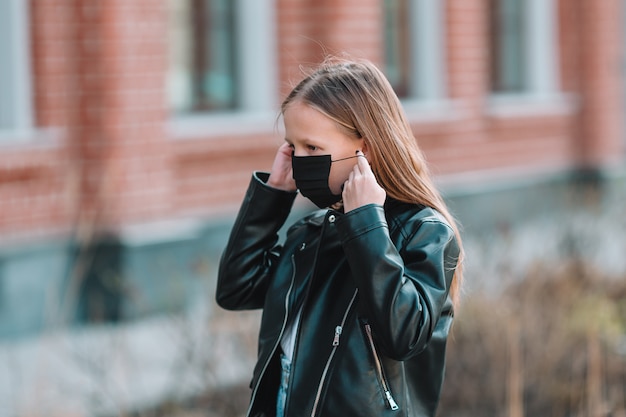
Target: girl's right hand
point(281, 176)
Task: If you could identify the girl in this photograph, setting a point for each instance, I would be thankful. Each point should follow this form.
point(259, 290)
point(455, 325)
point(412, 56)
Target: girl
point(358, 300)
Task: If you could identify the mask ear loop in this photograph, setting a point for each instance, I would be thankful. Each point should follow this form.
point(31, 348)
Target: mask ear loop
point(343, 159)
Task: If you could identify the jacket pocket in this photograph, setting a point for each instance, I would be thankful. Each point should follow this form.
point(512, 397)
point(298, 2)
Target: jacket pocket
point(378, 366)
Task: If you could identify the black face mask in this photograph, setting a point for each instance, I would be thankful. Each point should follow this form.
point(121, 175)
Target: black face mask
point(311, 175)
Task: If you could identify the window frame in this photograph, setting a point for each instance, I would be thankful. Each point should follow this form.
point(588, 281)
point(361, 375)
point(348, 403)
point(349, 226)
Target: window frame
point(257, 77)
point(16, 101)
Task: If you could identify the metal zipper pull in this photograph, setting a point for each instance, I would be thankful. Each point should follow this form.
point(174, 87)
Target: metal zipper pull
point(379, 368)
point(338, 330)
point(392, 402)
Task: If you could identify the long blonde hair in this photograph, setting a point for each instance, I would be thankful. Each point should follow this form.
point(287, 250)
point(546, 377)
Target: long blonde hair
point(358, 97)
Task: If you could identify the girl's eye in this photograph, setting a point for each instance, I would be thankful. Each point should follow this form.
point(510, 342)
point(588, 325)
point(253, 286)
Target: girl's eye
point(312, 147)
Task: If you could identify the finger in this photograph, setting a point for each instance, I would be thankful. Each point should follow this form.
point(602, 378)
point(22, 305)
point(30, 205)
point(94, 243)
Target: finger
point(284, 150)
point(350, 176)
point(356, 170)
point(363, 164)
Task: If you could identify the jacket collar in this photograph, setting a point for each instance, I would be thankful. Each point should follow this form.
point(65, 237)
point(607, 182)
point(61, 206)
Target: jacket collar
point(317, 217)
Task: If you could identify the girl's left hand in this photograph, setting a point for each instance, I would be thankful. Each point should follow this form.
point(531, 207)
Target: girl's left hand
point(361, 187)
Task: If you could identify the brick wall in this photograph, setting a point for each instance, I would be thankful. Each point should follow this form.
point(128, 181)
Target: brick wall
point(103, 154)
point(601, 66)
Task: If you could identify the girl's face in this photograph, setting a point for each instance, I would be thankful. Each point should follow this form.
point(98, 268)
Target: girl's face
point(311, 133)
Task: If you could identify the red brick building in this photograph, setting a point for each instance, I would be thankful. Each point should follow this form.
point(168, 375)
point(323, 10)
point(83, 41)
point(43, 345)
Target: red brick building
point(97, 136)
point(118, 114)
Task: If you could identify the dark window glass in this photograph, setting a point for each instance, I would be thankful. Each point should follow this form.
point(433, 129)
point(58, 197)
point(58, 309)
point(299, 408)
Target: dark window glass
point(203, 73)
point(214, 55)
point(507, 45)
point(398, 45)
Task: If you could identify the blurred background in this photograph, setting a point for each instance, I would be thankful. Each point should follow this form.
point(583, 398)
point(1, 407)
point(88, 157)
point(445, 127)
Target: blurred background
point(128, 133)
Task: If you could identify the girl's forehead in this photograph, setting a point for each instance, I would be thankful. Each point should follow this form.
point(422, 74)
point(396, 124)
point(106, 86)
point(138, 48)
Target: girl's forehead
point(303, 116)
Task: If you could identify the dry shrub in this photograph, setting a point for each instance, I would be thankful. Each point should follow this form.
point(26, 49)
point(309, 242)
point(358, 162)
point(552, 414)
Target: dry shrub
point(231, 401)
point(551, 345)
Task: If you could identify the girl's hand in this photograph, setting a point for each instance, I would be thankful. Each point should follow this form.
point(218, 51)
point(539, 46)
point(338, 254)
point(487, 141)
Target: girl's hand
point(281, 176)
point(361, 187)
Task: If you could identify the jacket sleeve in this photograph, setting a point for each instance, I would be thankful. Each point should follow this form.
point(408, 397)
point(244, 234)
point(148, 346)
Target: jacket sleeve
point(403, 291)
point(252, 249)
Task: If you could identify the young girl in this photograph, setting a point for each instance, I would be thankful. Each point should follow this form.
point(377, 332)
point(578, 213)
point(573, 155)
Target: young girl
point(358, 300)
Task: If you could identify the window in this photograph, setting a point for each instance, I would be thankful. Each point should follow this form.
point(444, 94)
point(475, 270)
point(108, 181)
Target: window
point(398, 45)
point(204, 55)
point(221, 56)
point(414, 48)
point(15, 69)
point(507, 44)
point(523, 46)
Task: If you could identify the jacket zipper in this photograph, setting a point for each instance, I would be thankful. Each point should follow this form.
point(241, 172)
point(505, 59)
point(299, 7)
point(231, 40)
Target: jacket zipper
point(379, 369)
point(282, 330)
point(335, 344)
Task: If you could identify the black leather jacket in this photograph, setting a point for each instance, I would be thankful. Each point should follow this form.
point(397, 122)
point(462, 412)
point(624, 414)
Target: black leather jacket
point(373, 286)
